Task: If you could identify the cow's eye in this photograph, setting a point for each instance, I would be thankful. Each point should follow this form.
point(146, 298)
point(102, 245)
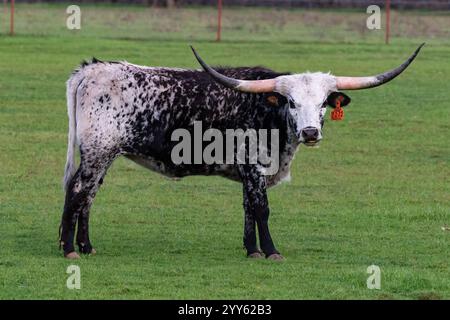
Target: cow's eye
point(291, 104)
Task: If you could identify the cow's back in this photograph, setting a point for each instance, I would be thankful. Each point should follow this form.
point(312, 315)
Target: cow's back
point(135, 109)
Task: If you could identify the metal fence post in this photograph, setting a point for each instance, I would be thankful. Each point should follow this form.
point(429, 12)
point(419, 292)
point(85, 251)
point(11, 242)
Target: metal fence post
point(388, 20)
point(219, 20)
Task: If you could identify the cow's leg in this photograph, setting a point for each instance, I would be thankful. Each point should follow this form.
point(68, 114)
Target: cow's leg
point(255, 191)
point(79, 197)
point(250, 230)
point(83, 241)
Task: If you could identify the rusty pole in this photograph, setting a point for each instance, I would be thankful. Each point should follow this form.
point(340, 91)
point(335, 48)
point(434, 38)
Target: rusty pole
point(388, 20)
point(5, 13)
point(219, 20)
point(11, 21)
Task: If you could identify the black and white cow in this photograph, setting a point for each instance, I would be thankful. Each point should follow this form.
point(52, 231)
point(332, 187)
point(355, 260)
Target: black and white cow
point(118, 108)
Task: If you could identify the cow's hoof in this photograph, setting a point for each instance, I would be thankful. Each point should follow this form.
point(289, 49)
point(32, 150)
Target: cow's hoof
point(89, 253)
point(72, 255)
point(275, 257)
point(255, 255)
point(87, 249)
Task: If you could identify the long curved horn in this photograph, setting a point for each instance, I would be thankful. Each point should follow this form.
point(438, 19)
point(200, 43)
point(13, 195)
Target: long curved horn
point(354, 83)
point(254, 86)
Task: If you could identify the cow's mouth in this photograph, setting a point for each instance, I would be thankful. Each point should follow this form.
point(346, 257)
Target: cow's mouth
point(311, 143)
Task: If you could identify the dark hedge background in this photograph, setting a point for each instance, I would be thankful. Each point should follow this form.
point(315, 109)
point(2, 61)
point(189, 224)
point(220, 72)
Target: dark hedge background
point(398, 4)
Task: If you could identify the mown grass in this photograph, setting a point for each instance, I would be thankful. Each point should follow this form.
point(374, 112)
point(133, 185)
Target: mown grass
point(375, 192)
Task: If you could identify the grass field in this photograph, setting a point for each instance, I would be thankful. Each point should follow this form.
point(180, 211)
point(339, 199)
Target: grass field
point(376, 191)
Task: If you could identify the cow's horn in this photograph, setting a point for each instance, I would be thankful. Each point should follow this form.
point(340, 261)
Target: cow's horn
point(255, 86)
point(354, 83)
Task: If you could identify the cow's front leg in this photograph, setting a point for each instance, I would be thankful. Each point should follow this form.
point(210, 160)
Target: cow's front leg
point(254, 185)
point(250, 231)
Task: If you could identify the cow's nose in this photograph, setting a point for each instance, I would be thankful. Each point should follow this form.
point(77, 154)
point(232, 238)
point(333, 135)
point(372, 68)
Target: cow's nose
point(310, 133)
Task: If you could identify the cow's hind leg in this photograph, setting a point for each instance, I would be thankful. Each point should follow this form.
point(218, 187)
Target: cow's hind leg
point(79, 197)
point(83, 241)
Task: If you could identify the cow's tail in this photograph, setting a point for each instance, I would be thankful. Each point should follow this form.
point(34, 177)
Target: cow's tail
point(72, 86)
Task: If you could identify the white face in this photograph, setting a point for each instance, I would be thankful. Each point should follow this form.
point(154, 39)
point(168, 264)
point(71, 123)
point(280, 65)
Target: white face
point(307, 94)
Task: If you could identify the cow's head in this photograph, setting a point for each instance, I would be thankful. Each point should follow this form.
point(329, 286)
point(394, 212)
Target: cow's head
point(308, 93)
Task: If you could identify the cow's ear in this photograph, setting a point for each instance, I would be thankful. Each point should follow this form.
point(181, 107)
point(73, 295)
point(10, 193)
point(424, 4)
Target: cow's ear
point(335, 96)
point(275, 100)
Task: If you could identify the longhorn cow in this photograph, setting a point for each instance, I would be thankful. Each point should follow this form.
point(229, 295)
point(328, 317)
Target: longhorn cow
point(118, 108)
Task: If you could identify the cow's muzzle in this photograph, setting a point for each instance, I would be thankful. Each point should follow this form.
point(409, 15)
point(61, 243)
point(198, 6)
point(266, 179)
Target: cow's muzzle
point(310, 136)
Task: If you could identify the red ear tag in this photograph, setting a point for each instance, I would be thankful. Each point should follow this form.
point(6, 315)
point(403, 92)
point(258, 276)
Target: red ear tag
point(338, 112)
